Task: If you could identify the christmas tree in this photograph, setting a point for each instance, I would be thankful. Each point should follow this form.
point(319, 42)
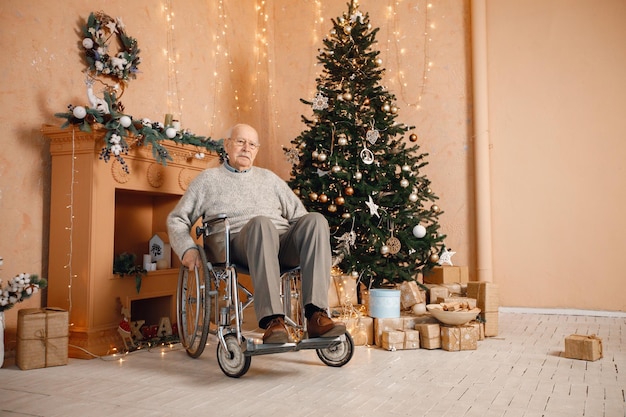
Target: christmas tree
point(353, 164)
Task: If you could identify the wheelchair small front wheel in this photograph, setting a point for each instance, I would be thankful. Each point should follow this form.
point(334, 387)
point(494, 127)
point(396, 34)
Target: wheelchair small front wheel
point(232, 360)
point(338, 354)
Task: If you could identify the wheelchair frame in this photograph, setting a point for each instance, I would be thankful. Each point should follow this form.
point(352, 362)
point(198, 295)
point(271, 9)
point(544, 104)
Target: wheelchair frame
point(208, 302)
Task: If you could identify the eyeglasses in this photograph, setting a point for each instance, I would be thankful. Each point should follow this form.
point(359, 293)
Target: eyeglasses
point(240, 142)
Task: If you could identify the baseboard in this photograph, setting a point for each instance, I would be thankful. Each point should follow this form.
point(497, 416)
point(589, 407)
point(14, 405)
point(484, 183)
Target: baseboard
point(562, 311)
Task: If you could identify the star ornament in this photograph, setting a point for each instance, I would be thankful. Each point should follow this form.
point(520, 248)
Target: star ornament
point(372, 206)
point(445, 257)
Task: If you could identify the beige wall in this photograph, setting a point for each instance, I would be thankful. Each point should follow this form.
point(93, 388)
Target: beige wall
point(557, 95)
point(554, 96)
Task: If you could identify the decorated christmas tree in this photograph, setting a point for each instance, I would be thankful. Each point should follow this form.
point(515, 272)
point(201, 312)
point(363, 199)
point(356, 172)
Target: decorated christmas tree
point(359, 167)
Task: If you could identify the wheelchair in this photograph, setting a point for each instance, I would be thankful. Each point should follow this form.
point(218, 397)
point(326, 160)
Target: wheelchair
point(211, 300)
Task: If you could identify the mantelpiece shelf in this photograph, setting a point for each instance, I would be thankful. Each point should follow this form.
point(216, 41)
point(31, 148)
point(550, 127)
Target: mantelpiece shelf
point(113, 212)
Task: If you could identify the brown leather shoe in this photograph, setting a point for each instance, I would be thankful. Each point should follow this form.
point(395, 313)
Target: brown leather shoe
point(276, 332)
point(320, 325)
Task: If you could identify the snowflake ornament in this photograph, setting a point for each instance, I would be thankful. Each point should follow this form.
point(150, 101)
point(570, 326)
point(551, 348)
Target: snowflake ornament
point(292, 156)
point(320, 102)
point(357, 16)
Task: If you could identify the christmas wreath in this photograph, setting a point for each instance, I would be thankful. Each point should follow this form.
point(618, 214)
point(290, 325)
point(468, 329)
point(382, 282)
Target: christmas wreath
point(98, 31)
point(108, 112)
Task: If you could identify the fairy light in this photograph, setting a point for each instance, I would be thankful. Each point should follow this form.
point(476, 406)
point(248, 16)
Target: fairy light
point(400, 52)
point(70, 228)
point(174, 100)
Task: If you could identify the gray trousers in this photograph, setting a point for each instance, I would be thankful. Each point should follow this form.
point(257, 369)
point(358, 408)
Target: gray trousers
point(263, 249)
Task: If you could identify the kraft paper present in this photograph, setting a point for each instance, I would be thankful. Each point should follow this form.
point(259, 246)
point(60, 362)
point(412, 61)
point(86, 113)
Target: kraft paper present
point(588, 348)
point(456, 338)
point(42, 338)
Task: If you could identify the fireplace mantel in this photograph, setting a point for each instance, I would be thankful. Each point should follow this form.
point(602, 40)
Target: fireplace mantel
point(97, 211)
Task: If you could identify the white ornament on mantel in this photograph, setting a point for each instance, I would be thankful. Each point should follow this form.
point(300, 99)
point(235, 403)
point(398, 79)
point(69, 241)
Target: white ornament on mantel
point(160, 249)
point(96, 102)
point(446, 257)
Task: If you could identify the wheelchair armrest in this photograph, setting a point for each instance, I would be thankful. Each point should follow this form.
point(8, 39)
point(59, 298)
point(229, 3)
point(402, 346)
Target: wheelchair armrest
point(207, 222)
point(213, 219)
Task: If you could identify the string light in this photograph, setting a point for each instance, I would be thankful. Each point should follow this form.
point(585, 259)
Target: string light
point(70, 228)
point(174, 100)
point(426, 65)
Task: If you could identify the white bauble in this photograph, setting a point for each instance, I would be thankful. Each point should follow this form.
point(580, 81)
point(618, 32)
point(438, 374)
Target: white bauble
point(125, 121)
point(87, 43)
point(358, 175)
point(419, 231)
point(404, 183)
point(79, 112)
point(413, 197)
point(419, 309)
point(170, 132)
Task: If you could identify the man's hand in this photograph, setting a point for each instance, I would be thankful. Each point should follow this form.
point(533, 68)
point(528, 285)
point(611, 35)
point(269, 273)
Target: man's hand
point(191, 259)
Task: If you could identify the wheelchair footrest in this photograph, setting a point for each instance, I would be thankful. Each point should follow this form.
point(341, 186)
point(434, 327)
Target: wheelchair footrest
point(252, 348)
point(319, 343)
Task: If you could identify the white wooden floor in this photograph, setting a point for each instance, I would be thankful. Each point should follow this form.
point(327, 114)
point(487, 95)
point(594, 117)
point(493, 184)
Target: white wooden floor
point(520, 373)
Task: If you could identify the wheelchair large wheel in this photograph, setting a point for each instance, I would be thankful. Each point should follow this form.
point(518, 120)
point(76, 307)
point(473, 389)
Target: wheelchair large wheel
point(339, 354)
point(194, 307)
point(232, 361)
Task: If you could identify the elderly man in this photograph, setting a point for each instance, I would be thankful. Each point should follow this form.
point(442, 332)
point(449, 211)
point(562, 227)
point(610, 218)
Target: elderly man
point(269, 227)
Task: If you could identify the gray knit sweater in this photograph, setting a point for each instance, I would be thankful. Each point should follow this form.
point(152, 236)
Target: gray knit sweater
point(240, 195)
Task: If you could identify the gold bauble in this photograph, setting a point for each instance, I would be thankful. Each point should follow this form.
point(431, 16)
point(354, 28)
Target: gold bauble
point(434, 258)
point(340, 201)
point(297, 191)
point(349, 190)
point(313, 196)
point(347, 29)
point(366, 102)
point(379, 61)
point(322, 157)
point(413, 137)
point(346, 215)
point(386, 107)
point(435, 208)
point(332, 208)
point(323, 198)
point(394, 109)
point(347, 96)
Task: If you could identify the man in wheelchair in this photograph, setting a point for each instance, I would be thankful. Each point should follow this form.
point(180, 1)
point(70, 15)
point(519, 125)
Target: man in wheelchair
point(270, 227)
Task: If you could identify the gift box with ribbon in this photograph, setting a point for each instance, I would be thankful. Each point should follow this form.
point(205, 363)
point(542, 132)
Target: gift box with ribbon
point(42, 338)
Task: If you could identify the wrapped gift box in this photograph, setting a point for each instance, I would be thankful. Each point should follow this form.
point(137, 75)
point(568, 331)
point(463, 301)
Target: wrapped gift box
point(480, 328)
point(430, 335)
point(491, 323)
point(447, 275)
point(393, 340)
point(404, 322)
point(42, 338)
point(588, 348)
point(486, 295)
point(360, 328)
point(411, 339)
point(410, 294)
point(436, 292)
point(455, 338)
point(345, 290)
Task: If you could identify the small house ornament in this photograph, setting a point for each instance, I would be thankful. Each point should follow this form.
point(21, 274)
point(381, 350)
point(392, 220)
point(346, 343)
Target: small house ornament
point(160, 250)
